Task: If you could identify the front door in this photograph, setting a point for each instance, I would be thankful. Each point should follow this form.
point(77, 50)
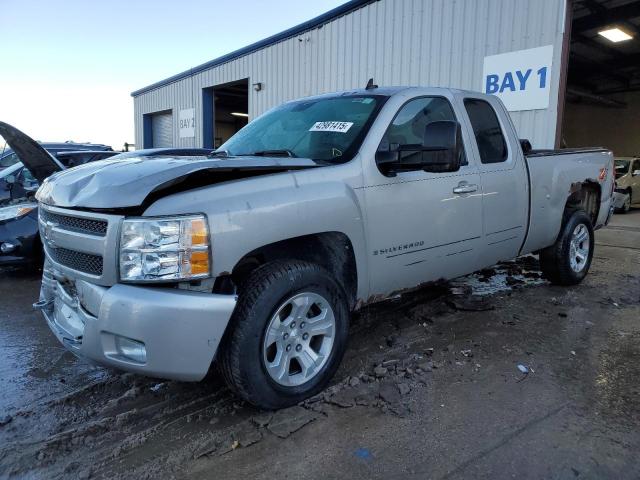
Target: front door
point(422, 226)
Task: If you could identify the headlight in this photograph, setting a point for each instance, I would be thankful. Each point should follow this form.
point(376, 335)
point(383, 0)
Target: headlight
point(16, 211)
point(161, 249)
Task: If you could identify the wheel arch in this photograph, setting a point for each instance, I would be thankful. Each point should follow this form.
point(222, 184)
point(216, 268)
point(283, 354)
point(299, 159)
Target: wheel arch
point(585, 196)
point(331, 250)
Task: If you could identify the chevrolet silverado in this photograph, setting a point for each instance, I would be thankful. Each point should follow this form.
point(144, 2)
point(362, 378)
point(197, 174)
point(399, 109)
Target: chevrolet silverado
point(253, 258)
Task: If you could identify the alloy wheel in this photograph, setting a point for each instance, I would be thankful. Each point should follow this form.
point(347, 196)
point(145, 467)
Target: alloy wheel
point(299, 339)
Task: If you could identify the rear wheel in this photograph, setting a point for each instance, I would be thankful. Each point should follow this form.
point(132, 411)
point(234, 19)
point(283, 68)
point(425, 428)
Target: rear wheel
point(567, 261)
point(287, 335)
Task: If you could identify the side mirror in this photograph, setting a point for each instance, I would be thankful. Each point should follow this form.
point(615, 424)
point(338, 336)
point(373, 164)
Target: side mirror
point(635, 173)
point(526, 145)
point(439, 152)
point(441, 146)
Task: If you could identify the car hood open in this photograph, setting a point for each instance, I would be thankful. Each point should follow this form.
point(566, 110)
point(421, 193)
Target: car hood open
point(39, 162)
point(136, 182)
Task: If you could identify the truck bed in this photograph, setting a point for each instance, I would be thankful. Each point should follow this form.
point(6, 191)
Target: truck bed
point(553, 175)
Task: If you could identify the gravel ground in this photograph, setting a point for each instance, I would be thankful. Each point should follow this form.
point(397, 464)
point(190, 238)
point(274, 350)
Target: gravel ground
point(496, 375)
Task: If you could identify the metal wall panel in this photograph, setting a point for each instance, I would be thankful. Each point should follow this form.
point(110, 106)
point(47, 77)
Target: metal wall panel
point(397, 42)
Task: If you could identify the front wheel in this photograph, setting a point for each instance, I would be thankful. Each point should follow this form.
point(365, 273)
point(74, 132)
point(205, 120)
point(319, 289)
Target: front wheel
point(567, 261)
point(287, 335)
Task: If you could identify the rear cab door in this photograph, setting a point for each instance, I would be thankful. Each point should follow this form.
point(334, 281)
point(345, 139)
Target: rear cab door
point(503, 175)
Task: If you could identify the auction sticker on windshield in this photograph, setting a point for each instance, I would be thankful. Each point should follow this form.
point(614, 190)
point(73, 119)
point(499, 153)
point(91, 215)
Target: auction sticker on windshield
point(338, 127)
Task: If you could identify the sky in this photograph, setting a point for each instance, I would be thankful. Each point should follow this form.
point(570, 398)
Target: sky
point(68, 67)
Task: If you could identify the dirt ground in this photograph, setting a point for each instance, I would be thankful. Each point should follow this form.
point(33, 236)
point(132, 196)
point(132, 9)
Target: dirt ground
point(519, 380)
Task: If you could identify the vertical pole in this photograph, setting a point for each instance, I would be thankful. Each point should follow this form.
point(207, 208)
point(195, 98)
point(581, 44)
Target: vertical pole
point(564, 67)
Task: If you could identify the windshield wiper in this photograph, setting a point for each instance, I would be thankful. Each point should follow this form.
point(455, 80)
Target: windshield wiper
point(273, 153)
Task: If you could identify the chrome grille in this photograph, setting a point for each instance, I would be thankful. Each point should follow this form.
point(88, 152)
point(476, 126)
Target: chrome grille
point(82, 262)
point(81, 245)
point(75, 224)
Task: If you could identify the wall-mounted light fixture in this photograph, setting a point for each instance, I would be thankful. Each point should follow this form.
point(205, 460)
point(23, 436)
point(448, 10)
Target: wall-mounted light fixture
point(257, 86)
point(238, 114)
point(615, 35)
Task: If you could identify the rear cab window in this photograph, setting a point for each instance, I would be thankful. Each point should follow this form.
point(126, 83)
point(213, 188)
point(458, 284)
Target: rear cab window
point(492, 145)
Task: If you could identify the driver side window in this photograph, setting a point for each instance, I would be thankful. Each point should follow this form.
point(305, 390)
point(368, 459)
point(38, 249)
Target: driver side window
point(408, 126)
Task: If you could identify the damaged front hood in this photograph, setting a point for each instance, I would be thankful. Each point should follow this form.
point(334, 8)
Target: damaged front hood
point(32, 155)
point(134, 182)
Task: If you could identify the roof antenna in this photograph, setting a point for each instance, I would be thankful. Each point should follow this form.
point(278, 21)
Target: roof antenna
point(370, 85)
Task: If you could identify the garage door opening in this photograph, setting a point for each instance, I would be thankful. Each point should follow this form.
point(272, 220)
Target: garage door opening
point(602, 98)
point(226, 110)
point(158, 129)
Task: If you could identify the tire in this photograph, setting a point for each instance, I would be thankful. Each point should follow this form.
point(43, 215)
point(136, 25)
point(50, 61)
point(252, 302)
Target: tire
point(556, 261)
point(268, 299)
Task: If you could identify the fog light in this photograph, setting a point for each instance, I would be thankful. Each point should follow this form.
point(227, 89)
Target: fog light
point(131, 349)
point(7, 247)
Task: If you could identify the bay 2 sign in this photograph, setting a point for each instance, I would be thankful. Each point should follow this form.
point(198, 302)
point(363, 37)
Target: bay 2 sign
point(187, 123)
point(522, 79)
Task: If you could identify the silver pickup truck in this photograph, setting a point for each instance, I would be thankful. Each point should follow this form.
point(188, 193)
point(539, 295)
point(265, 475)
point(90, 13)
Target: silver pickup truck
point(252, 258)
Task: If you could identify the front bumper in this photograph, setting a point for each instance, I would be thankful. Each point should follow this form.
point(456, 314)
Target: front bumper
point(8, 260)
point(618, 199)
point(20, 239)
point(180, 329)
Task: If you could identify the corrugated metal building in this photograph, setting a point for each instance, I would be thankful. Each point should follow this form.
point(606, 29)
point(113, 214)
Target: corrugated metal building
point(397, 42)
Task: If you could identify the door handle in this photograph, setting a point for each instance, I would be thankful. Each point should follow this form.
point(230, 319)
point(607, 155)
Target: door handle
point(465, 188)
